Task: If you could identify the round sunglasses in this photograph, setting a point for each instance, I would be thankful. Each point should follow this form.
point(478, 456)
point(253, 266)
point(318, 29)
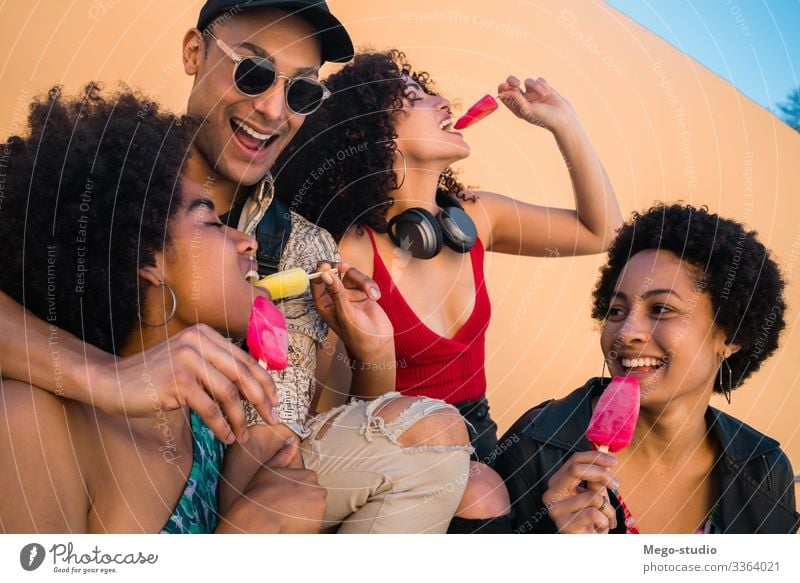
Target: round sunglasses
point(253, 76)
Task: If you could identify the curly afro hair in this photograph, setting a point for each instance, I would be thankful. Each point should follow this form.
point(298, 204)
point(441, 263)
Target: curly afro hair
point(732, 266)
point(88, 196)
point(338, 170)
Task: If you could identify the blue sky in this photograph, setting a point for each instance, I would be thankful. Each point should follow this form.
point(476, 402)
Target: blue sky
point(754, 44)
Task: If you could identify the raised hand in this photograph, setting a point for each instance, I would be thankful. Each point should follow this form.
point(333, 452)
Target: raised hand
point(536, 102)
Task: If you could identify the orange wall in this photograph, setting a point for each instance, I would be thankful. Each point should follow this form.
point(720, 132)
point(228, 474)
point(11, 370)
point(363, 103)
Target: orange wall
point(666, 128)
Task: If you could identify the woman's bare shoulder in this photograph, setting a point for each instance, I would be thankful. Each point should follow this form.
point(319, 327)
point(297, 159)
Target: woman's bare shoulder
point(43, 489)
point(355, 248)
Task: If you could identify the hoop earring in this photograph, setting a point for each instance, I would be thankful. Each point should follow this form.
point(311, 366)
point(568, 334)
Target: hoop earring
point(405, 168)
point(726, 390)
point(171, 314)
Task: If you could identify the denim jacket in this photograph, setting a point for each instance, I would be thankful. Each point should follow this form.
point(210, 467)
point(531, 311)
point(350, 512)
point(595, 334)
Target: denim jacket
point(756, 482)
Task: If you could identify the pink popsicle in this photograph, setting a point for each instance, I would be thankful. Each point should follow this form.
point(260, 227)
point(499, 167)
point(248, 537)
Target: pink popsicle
point(615, 415)
point(267, 337)
point(485, 105)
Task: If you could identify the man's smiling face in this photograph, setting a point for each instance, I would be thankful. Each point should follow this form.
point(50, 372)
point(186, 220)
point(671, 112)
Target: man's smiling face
point(241, 136)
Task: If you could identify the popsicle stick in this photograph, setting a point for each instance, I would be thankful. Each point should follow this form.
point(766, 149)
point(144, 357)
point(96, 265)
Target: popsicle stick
point(315, 275)
point(602, 448)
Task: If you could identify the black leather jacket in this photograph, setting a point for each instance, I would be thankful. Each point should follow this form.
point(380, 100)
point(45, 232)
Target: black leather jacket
point(756, 478)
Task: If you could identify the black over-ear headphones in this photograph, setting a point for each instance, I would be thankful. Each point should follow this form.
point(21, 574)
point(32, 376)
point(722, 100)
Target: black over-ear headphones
point(420, 233)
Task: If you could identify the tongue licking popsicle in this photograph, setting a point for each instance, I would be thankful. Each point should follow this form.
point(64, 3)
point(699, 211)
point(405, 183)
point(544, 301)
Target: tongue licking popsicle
point(285, 284)
point(267, 337)
point(615, 415)
point(485, 105)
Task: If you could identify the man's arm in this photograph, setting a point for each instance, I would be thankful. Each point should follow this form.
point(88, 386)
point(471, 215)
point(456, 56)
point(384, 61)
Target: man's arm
point(278, 499)
point(198, 368)
point(42, 354)
point(334, 377)
point(243, 460)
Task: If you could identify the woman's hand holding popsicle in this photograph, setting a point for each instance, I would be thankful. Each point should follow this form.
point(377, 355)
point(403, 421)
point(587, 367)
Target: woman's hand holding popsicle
point(198, 368)
point(576, 509)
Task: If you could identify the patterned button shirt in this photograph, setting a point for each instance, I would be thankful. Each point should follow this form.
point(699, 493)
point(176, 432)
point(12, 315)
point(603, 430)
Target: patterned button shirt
point(307, 245)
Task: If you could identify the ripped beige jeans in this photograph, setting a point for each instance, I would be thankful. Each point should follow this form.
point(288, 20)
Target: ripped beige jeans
point(376, 481)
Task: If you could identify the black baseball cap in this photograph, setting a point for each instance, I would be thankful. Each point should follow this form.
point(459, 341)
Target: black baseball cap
point(336, 44)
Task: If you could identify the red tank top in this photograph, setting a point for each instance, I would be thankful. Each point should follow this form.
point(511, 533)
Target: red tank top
point(451, 369)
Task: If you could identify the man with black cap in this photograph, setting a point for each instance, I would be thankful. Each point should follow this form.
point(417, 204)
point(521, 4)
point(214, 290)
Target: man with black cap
point(256, 66)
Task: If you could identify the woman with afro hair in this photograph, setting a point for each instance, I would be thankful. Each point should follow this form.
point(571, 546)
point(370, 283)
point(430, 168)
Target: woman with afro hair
point(690, 304)
point(109, 240)
point(105, 240)
point(373, 168)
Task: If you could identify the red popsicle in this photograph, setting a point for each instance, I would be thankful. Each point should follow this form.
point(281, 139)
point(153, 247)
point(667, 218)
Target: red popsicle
point(485, 105)
point(267, 337)
point(615, 415)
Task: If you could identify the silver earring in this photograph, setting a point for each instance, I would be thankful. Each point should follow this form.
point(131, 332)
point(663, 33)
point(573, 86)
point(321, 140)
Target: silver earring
point(171, 314)
point(726, 390)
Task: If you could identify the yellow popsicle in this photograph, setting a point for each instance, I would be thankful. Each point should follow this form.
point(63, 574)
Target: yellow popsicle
point(286, 284)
